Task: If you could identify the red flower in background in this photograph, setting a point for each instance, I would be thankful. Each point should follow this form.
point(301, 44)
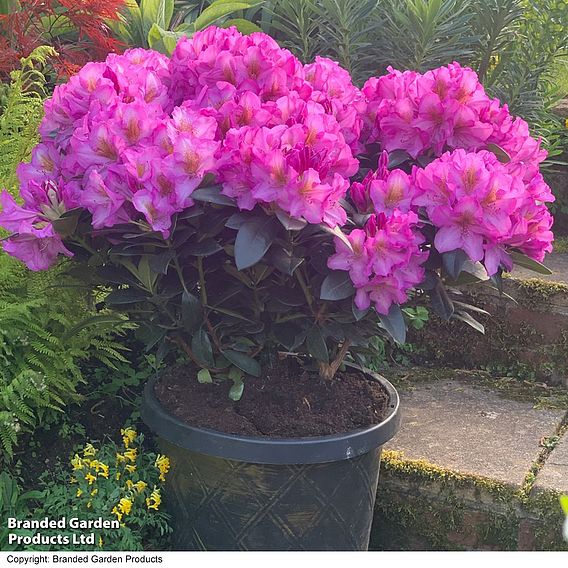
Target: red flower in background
point(77, 29)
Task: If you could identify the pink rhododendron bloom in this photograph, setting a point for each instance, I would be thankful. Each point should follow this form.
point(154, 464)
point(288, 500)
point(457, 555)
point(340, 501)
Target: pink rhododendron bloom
point(478, 206)
point(384, 260)
point(38, 248)
point(14, 216)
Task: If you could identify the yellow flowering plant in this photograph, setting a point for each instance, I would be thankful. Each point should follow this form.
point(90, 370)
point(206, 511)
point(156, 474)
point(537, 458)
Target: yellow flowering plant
point(121, 483)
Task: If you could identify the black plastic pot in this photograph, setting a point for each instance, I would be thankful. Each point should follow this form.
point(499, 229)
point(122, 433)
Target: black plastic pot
point(229, 492)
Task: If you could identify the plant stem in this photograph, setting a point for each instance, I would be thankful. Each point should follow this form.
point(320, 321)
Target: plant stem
point(328, 370)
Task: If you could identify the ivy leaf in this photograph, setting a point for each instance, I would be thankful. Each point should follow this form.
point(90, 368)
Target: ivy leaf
point(337, 286)
point(253, 241)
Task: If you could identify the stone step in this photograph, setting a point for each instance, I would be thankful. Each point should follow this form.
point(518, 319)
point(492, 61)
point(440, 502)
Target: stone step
point(526, 336)
point(476, 465)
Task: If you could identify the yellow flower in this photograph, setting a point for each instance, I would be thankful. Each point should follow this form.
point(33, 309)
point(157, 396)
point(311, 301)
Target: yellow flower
point(131, 454)
point(79, 492)
point(130, 468)
point(94, 492)
point(128, 436)
point(100, 541)
point(117, 476)
point(566, 123)
point(89, 504)
point(90, 478)
point(163, 464)
point(125, 505)
point(104, 470)
point(89, 450)
point(140, 486)
point(118, 514)
point(120, 458)
point(77, 463)
point(154, 501)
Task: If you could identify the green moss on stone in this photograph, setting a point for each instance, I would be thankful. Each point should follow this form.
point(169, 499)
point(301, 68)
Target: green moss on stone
point(419, 518)
point(536, 293)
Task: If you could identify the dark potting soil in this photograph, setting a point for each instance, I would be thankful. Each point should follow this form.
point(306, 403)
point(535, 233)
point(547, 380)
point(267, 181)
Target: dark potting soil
point(283, 402)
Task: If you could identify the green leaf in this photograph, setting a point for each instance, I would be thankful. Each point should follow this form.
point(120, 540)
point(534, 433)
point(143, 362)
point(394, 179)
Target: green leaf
point(441, 302)
point(201, 347)
point(96, 320)
point(236, 391)
point(160, 262)
point(125, 296)
point(397, 157)
point(253, 241)
point(453, 262)
point(244, 26)
point(471, 321)
point(206, 247)
point(243, 362)
point(523, 260)
point(290, 223)
point(237, 219)
point(204, 376)
point(394, 323)
point(66, 224)
point(286, 334)
point(158, 12)
point(284, 261)
point(499, 152)
point(213, 194)
point(337, 286)
point(316, 345)
point(357, 313)
point(191, 315)
point(162, 40)
point(218, 10)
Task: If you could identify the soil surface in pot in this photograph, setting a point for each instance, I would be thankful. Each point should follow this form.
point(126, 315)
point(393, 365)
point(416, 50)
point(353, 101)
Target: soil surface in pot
point(286, 401)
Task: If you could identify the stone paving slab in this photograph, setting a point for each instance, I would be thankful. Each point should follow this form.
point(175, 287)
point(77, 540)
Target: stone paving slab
point(557, 262)
point(472, 430)
point(554, 475)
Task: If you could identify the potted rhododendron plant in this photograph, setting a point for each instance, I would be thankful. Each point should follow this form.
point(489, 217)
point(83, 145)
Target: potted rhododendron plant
point(262, 220)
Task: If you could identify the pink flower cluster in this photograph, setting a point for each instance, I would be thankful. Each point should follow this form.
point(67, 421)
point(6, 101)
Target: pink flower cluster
point(478, 206)
point(384, 260)
point(134, 136)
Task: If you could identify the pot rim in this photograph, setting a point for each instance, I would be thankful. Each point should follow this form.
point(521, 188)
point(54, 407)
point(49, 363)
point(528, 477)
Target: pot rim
point(270, 450)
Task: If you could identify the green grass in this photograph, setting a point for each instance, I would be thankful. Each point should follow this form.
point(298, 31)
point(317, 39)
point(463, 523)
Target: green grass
point(561, 76)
